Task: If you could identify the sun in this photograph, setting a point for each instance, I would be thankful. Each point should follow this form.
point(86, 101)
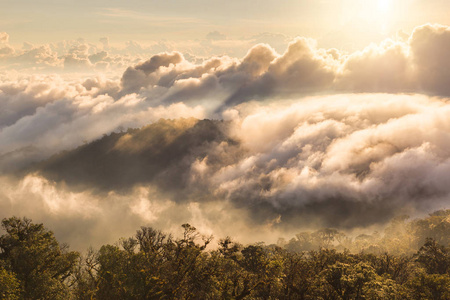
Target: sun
point(384, 5)
point(384, 15)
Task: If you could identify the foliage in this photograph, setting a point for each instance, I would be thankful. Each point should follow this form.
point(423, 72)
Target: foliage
point(155, 265)
point(9, 285)
point(36, 258)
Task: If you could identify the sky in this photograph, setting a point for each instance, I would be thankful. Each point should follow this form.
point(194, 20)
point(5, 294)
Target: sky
point(251, 119)
point(334, 23)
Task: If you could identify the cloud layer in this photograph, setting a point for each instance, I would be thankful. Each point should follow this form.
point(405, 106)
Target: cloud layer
point(417, 65)
point(309, 137)
point(344, 161)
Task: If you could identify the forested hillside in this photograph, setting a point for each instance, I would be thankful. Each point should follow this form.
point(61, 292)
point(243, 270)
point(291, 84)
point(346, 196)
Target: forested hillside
point(410, 260)
point(161, 152)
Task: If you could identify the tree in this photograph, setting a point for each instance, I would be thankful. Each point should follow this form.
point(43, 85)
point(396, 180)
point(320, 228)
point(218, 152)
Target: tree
point(349, 280)
point(40, 263)
point(430, 286)
point(85, 276)
point(9, 285)
point(152, 265)
point(434, 257)
point(298, 276)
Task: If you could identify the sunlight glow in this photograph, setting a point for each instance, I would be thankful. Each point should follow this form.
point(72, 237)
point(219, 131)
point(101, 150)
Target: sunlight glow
point(369, 16)
point(384, 5)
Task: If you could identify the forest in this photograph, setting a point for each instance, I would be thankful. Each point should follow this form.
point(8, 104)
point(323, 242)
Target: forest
point(410, 259)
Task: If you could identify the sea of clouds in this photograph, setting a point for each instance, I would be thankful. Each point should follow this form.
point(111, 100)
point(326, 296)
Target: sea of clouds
point(310, 137)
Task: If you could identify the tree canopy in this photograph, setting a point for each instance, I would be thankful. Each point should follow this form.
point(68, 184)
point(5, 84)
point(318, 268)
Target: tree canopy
point(411, 260)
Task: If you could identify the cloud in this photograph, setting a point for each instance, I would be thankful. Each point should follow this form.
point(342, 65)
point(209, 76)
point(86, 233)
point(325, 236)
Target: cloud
point(215, 35)
point(345, 161)
point(22, 97)
point(6, 51)
point(4, 37)
point(310, 137)
point(136, 77)
point(413, 66)
point(276, 40)
point(299, 70)
point(384, 68)
point(260, 73)
point(429, 48)
point(84, 220)
point(395, 66)
point(63, 57)
point(50, 114)
point(105, 42)
point(342, 161)
point(216, 85)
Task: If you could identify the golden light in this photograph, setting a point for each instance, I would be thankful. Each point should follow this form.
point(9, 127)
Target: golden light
point(384, 5)
point(369, 15)
point(384, 14)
